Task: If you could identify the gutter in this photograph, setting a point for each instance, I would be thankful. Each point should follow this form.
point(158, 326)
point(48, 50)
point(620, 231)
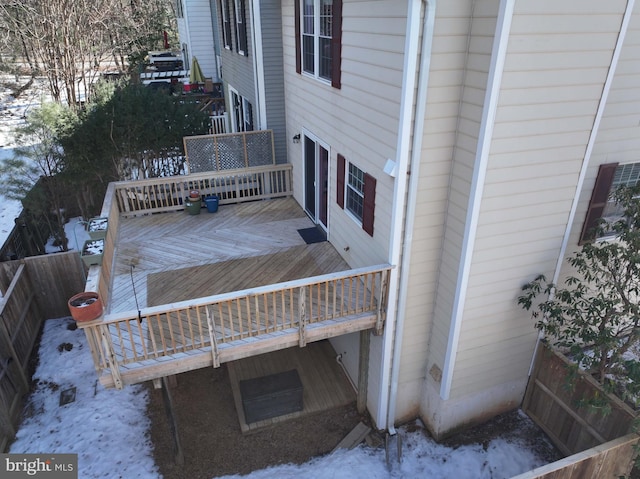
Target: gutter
point(498, 55)
point(414, 176)
point(624, 26)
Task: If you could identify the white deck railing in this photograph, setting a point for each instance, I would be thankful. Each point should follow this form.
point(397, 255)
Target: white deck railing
point(236, 320)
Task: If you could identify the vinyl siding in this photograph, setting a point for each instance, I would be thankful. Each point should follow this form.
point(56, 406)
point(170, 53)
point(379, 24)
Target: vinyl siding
point(237, 70)
point(198, 17)
point(617, 139)
point(271, 21)
point(537, 148)
point(478, 32)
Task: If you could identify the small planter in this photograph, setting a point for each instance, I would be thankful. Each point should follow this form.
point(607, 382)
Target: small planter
point(85, 306)
point(97, 228)
point(193, 203)
point(212, 203)
point(92, 252)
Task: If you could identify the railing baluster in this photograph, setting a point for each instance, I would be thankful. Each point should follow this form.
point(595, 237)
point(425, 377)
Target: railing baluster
point(302, 316)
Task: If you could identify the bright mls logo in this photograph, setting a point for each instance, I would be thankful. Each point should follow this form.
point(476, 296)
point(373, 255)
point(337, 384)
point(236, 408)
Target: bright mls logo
point(50, 466)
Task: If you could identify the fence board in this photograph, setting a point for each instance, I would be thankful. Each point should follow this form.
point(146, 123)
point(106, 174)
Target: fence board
point(39, 288)
point(610, 460)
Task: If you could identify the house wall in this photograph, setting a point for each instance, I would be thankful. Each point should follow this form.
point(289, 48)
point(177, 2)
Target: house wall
point(556, 64)
point(272, 65)
point(617, 138)
point(359, 121)
point(196, 30)
point(237, 70)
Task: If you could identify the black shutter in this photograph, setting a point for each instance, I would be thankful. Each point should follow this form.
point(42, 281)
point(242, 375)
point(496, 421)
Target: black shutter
point(296, 3)
point(340, 181)
point(598, 201)
point(336, 44)
point(369, 203)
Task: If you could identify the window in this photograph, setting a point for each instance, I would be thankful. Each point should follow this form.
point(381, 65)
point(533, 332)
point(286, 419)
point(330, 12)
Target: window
point(226, 24)
point(179, 9)
point(355, 191)
point(357, 194)
point(601, 206)
point(241, 111)
point(318, 31)
point(241, 29)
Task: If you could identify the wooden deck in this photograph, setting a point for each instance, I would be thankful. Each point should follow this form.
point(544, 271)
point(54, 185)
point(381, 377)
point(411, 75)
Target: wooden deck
point(167, 257)
point(324, 384)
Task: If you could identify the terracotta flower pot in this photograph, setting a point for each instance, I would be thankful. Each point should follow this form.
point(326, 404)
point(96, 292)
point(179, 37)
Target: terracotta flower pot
point(85, 306)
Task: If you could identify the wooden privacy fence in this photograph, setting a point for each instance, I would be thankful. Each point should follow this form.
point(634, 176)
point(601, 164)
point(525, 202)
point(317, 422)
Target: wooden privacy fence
point(611, 460)
point(33, 289)
point(230, 186)
point(227, 326)
point(598, 441)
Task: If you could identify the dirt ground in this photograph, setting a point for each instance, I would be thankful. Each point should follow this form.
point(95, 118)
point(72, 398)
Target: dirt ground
point(214, 446)
point(210, 433)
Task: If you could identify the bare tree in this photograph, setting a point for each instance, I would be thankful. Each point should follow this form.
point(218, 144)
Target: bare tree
point(69, 40)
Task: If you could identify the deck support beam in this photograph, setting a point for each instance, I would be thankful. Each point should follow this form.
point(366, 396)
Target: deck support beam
point(178, 455)
point(363, 370)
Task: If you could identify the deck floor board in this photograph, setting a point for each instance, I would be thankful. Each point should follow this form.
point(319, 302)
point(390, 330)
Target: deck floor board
point(189, 256)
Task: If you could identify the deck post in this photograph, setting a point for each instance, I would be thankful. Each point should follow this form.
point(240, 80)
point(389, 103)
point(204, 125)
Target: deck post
point(363, 370)
point(173, 423)
point(110, 356)
point(382, 305)
point(215, 355)
point(302, 315)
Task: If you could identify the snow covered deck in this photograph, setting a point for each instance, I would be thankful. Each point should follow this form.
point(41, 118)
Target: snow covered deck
point(190, 291)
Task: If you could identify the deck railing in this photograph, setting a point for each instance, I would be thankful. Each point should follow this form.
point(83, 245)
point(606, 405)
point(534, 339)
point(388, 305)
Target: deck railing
point(217, 324)
point(230, 186)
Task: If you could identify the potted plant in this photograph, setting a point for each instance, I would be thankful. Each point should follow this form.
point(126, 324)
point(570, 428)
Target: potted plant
point(85, 306)
point(193, 203)
point(97, 227)
point(92, 252)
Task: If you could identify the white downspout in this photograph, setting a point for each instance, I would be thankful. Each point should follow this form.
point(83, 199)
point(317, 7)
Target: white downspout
point(400, 188)
point(587, 155)
point(498, 55)
point(258, 64)
point(416, 156)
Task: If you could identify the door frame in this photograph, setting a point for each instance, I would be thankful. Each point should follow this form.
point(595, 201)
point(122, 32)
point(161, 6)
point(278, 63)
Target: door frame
point(319, 176)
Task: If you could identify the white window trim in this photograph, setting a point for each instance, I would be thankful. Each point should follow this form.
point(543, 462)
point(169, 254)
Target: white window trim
point(237, 5)
point(316, 42)
point(225, 19)
point(348, 187)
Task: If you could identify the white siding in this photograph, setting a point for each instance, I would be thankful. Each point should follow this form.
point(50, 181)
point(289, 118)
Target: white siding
point(537, 151)
point(197, 16)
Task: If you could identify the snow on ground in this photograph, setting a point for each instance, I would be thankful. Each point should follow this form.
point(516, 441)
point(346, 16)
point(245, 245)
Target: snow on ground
point(109, 430)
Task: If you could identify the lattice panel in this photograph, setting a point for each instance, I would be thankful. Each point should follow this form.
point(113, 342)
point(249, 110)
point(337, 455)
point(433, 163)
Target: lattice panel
point(229, 151)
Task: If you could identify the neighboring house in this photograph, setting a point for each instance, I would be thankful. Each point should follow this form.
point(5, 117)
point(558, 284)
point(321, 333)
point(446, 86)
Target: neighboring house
point(197, 31)
point(248, 38)
point(459, 141)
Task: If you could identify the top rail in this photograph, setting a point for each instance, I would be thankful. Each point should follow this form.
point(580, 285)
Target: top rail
point(156, 195)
